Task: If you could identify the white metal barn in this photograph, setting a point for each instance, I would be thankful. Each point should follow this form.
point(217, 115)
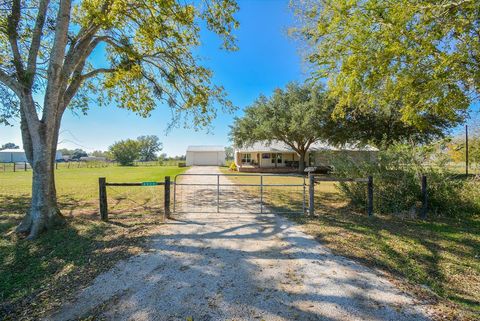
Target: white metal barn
point(205, 155)
point(12, 156)
point(18, 156)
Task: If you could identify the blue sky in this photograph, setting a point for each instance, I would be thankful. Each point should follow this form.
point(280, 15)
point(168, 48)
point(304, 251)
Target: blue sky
point(267, 59)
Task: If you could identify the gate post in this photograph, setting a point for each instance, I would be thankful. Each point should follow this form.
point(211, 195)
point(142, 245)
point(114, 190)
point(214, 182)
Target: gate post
point(167, 197)
point(261, 194)
point(311, 193)
point(304, 200)
point(102, 193)
point(370, 196)
point(218, 193)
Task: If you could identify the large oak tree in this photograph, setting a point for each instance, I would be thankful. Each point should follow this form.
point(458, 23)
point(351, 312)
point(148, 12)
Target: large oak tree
point(419, 59)
point(46, 66)
point(296, 116)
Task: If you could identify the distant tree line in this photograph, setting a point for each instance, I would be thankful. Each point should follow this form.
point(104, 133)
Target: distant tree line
point(9, 146)
point(144, 148)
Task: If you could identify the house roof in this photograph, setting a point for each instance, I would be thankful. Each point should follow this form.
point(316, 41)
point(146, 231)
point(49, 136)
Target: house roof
point(12, 150)
point(205, 148)
point(279, 147)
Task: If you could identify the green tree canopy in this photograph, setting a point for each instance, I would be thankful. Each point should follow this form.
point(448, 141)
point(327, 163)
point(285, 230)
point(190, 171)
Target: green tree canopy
point(9, 146)
point(125, 151)
point(149, 50)
point(295, 116)
point(420, 58)
point(381, 128)
point(150, 145)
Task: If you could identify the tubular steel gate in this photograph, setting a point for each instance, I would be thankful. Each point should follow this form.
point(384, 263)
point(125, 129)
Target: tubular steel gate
point(239, 193)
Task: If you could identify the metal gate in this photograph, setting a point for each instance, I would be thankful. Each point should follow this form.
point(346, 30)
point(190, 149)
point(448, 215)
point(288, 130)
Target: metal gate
point(239, 193)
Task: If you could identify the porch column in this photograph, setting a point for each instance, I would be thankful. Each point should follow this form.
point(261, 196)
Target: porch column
point(238, 159)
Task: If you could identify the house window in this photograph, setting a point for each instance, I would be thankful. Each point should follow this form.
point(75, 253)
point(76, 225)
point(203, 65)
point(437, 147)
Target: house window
point(246, 158)
point(266, 156)
point(277, 157)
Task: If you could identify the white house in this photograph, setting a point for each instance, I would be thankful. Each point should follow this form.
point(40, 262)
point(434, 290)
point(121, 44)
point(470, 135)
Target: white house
point(278, 155)
point(18, 156)
point(205, 155)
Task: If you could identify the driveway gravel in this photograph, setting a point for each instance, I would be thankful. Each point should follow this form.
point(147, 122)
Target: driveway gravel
point(239, 266)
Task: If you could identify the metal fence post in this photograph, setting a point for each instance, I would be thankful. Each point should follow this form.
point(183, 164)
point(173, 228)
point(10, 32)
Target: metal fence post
point(311, 194)
point(175, 194)
point(218, 193)
point(102, 193)
point(370, 196)
point(304, 204)
point(261, 194)
point(167, 197)
point(423, 214)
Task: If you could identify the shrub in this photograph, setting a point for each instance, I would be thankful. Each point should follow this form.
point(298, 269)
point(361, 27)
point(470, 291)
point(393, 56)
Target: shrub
point(233, 167)
point(397, 174)
point(125, 151)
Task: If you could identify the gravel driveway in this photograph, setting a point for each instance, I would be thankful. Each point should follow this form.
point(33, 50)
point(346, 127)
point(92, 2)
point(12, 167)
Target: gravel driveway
point(239, 267)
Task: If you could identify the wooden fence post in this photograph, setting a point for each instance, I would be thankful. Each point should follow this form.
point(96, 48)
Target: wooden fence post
point(311, 194)
point(14, 166)
point(423, 214)
point(25, 166)
point(167, 196)
point(370, 196)
point(102, 193)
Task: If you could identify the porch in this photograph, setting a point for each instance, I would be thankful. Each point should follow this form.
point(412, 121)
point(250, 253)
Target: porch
point(283, 162)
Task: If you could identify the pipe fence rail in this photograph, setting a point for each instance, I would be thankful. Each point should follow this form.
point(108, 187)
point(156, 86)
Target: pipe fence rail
point(215, 193)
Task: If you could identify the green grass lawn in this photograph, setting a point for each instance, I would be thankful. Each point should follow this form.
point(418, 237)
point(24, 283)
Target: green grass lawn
point(37, 276)
point(438, 258)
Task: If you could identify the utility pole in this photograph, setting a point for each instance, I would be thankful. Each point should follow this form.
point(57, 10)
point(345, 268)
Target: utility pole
point(466, 150)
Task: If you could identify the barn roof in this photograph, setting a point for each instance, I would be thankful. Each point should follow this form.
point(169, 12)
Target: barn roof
point(12, 150)
point(205, 148)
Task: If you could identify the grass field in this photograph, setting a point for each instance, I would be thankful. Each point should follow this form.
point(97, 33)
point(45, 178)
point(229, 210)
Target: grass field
point(437, 259)
point(37, 276)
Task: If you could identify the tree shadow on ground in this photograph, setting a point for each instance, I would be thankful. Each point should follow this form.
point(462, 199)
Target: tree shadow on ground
point(438, 252)
point(68, 257)
point(209, 271)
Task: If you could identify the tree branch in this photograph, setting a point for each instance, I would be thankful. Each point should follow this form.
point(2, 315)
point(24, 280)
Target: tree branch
point(13, 21)
point(36, 40)
point(11, 83)
point(77, 82)
point(52, 95)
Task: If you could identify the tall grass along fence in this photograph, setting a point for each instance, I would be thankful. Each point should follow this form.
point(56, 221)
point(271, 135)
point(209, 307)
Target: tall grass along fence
point(25, 166)
point(317, 179)
point(140, 196)
point(405, 185)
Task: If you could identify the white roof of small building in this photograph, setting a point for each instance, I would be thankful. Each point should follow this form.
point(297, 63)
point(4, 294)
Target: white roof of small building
point(12, 150)
point(280, 147)
point(205, 148)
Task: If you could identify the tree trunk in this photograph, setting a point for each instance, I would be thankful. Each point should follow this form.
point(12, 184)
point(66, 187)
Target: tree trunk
point(301, 162)
point(43, 213)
